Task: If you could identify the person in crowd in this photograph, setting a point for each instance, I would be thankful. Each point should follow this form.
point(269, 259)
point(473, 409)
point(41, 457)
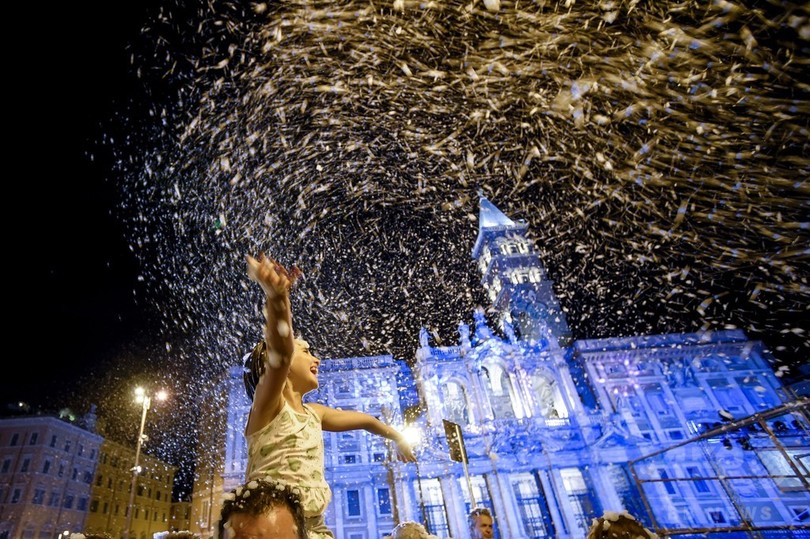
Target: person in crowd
point(411, 530)
point(618, 525)
point(180, 534)
point(284, 435)
point(262, 509)
point(481, 523)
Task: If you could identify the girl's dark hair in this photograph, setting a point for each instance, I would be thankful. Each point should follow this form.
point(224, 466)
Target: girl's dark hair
point(254, 368)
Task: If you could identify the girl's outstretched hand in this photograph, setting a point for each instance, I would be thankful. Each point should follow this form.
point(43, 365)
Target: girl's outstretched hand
point(405, 451)
point(274, 278)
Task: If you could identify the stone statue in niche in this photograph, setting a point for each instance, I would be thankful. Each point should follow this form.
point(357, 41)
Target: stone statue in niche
point(423, 337)
point(509, 330)
point(464, 334)
point(680, 374)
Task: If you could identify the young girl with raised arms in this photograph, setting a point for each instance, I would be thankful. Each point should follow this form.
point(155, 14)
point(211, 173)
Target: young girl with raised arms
point(285, 435)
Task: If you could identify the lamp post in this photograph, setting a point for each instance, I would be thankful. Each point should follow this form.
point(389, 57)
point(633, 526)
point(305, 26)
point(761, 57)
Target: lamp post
point(146, 401)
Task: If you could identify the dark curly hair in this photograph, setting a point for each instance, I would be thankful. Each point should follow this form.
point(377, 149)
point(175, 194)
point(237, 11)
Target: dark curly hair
point(258, 496)
point(618, 525)
point(253, 368)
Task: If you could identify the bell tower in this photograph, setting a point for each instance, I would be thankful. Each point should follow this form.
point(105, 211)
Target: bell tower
point(516, 281)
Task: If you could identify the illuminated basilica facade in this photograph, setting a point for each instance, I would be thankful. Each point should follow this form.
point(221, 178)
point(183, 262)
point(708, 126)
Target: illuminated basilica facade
point(694, 434)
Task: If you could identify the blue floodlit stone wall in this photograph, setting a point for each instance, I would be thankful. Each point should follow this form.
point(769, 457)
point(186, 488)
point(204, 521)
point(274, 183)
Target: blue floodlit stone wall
point(557, 432)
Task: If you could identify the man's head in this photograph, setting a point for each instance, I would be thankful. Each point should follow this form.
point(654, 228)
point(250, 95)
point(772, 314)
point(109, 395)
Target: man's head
point(480, 521)
point(262, 509)
point(619, 526)
point(411, 530)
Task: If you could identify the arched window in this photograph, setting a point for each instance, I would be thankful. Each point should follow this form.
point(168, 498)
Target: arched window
point(455, 403)
point(499, 391)
point(549, 398)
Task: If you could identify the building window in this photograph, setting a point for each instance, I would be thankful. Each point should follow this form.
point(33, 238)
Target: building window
point(512, 245)
point(700, 485)
point(780, 470)
point(39, 496)
point(711, 365)
point(727, 397)
point(717, 517)
point(659, 404)
point(349, 459)
point(800, 514)
point(53, 501)
point(94, 506)
point(499, 390)
point(525, 275)
point(82, 505)
point(384, 501)
point(33, 439)
point(378, 457)
point(480, 490)
point(584, 505)
point(14, 439)
point(68, 503)
point(353, 503)
point(760, 396)
point(532, 506)
point(25, 463)
point(455, 403)
point(615, 370)
point(53, 440)
point(435, 512)
point(15, 495)
point(670, 488)
point(46, 466)
point(6, 466)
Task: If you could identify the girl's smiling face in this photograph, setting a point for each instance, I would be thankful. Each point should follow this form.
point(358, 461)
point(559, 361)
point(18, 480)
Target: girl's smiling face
point(303, 373)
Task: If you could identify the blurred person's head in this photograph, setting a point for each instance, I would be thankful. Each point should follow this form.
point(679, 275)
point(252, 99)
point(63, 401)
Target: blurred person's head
point(181, 534)
point(262, 509)
point(618, 525)
point(481, 523)
point(410, 530)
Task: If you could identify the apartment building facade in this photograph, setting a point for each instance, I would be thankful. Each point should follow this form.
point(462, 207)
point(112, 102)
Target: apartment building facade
point(57, 475)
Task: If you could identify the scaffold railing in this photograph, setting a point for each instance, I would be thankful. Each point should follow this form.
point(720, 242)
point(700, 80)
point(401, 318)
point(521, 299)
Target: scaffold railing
point(746, 478)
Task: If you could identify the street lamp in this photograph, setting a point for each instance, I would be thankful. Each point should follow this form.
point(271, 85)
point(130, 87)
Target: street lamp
point(145, 401)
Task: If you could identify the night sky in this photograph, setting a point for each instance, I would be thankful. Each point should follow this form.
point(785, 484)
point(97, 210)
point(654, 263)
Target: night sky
point(103, 302)
point(73, 280)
